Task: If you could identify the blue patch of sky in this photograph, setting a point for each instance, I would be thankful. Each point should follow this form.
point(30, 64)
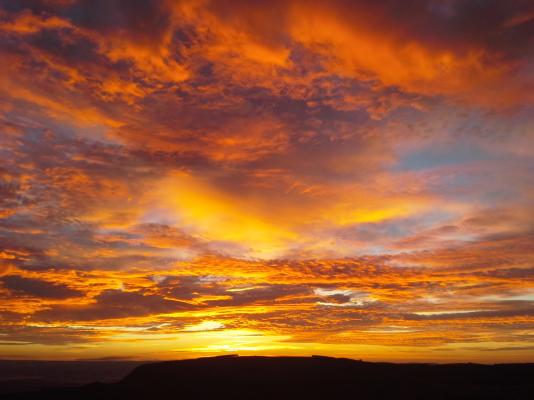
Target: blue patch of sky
point(441, 154)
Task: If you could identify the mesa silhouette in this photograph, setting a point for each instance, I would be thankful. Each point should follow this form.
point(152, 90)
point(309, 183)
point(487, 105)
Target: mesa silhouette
point(235, 377)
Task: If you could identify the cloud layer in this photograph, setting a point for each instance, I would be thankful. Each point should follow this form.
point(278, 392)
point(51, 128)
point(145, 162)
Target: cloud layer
point(349, 178)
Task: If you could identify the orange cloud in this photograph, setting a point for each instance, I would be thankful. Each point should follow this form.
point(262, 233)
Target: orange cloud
point(201, 177)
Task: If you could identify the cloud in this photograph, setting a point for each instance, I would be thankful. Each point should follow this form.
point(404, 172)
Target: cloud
point(37, 288)
point(341, 174)
point(111, 304)
point(204, 326)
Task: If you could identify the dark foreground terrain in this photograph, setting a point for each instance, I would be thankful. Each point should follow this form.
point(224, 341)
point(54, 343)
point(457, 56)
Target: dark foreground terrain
point(233, 377)
point(28, 375)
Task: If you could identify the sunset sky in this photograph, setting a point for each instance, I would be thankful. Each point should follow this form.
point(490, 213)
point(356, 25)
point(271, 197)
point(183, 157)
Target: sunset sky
point(190, 178)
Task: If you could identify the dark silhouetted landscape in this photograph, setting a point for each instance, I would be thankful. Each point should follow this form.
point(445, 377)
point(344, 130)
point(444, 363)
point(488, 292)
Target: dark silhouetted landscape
point(18, 376)
point(280, 378)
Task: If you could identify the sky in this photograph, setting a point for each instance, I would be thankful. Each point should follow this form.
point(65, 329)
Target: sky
point(190, 178)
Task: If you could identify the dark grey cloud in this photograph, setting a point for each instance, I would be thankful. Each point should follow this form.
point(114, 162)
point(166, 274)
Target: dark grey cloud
point(19, 285)
point(267, 294)
point(114, 304)
point(524, 309)
point(190, 287)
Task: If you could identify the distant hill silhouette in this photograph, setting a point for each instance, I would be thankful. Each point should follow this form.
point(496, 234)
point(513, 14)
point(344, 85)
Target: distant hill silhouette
point(26, 375)
point(232, 377)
